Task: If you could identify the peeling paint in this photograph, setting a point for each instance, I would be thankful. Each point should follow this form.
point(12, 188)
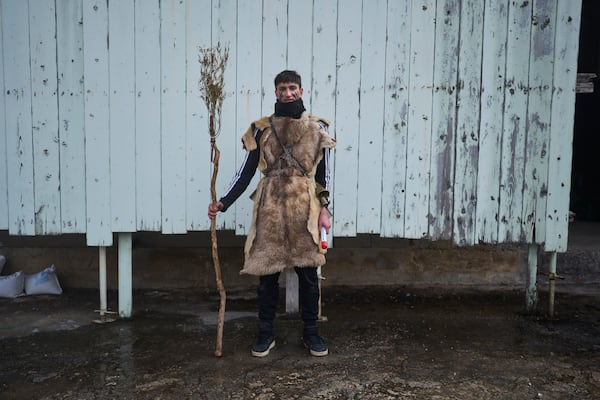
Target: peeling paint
point(508, 105)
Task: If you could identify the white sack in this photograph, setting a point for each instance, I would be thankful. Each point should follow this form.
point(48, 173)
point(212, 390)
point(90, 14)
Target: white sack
point(44, 282)
point(12, 285)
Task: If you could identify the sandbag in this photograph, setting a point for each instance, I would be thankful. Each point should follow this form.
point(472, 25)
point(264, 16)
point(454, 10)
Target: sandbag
point(44, 282)
point(12, 286)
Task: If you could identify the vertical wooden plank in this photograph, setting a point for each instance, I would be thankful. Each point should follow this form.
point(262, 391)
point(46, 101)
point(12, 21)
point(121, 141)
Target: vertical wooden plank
point(372, 78)
point(122, 115)
point(44, 112)
point(198, 32)
point(422, 45)
point(568, 20)
point(395, 132)
point(444, 119)
point(274, 50)
point(514, 130)
point(3, 138)
point(299, 51)
point(97, 146)
point(323, 84)
point(19, 146)
point(467, 120)
point(493, 69)
point(69, 39)
point(541, 68)
point(224, 18)
point(299, 54)
point(248, 95)
point(173, 76)
point(148, 185)
point(347, 110)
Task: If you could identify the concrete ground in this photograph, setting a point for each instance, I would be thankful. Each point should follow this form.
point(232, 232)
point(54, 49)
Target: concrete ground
point(385, 343)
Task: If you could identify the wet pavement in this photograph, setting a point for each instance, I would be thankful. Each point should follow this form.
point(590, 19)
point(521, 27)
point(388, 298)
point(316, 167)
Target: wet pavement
point(385, 343)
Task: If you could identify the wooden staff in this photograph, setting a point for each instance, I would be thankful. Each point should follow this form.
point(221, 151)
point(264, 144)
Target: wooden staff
point(215, 154)
point(213, 61)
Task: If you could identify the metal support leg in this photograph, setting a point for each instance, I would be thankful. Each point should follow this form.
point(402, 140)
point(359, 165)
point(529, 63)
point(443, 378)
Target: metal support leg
point(102, 279)
point(321, 277)
point(105, 314)
point(125, 275)
point(531, 296)
point(292, 303)
point(552, 281)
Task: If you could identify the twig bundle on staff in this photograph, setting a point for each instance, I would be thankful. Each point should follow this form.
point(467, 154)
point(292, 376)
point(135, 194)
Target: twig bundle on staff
point(212, 81)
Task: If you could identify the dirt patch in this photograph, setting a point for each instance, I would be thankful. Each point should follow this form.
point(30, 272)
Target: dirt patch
point(385, 343)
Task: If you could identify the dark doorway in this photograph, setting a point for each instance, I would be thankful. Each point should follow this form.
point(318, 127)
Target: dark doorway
point(585, 179)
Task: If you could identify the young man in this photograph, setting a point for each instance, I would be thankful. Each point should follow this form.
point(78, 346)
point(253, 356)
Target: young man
point(291, 149)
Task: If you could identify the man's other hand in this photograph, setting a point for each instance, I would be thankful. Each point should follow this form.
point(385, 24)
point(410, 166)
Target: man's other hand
point(324, 219)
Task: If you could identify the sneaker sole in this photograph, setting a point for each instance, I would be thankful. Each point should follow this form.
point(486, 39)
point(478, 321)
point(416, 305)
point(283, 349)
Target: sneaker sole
point(319, 353)
point(315, 352)
point(264, 353)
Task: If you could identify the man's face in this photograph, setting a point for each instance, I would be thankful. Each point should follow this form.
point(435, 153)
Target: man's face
point(288, 91)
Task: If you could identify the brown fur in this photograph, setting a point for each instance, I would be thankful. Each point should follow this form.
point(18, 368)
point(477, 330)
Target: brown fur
point(284, 230)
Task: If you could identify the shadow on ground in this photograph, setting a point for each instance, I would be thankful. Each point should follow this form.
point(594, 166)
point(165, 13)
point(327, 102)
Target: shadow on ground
point(385, 343)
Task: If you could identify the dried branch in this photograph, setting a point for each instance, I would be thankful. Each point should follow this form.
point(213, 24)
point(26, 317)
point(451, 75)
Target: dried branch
point(212, 82)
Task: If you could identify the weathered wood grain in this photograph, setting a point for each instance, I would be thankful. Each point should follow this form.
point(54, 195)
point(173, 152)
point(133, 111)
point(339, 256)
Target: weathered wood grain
point(454, 119)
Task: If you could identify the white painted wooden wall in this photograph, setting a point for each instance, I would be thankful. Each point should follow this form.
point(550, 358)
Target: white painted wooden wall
point(454, 119)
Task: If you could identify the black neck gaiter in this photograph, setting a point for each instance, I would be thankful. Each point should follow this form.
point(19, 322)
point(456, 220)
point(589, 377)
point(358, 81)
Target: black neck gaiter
point(292, 109)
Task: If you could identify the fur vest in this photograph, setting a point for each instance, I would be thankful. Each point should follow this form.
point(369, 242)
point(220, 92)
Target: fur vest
point(284, 231)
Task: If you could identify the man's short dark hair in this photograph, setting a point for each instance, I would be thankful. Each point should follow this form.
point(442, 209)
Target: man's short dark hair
point(288, 76)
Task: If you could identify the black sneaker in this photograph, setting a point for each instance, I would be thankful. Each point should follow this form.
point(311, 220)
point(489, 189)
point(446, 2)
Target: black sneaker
point(263, 345)
point(315, 344)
